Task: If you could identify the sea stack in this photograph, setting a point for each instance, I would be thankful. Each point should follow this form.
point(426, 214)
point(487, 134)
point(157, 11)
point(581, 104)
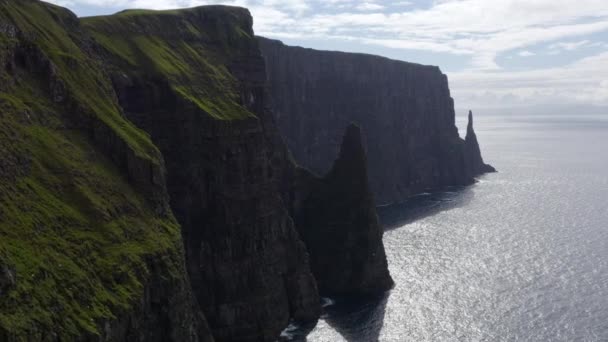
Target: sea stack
point(340, 227)
point(474, 162)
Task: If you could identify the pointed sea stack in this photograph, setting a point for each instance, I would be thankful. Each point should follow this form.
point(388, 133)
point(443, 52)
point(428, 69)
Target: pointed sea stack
point(473, 160)
point(338, 222)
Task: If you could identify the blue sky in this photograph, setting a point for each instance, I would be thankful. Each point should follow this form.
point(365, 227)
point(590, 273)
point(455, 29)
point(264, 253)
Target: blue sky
point(497, 53)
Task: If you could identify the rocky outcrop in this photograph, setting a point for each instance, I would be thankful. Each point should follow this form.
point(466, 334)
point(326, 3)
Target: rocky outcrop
point(336, 218)
point(405, 112)
point(474, 162)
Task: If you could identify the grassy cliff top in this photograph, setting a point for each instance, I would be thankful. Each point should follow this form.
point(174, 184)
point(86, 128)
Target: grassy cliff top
point(191, 48)
point(56, 32)
point(236, 12)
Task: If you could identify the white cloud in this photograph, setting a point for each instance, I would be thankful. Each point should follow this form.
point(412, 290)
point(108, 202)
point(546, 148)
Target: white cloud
point(297, 6)
point(526, 53)
point(569, 46)
point(369, 6)
point(575, 46)
point(582, 82)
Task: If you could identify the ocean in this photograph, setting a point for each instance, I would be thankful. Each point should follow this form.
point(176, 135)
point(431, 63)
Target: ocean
point(522, 255)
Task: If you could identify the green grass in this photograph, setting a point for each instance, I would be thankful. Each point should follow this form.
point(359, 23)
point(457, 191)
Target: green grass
point(176, 46)
point(77, 234)
point(46, 24)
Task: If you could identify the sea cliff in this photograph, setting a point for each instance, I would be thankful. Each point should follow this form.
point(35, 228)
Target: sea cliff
point(405, 112)
point(146, 193)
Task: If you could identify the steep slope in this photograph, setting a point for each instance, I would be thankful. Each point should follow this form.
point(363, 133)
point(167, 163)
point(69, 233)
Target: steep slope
point(338, 222)
point(405, 112)
point(195, 80)
point(88, 247)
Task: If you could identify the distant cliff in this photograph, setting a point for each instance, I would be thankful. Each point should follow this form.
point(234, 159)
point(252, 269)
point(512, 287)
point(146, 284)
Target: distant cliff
point(145, 191)
point(405, 112)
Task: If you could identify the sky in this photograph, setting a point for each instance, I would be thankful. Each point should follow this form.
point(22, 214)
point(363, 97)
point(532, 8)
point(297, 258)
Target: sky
point(498, 54)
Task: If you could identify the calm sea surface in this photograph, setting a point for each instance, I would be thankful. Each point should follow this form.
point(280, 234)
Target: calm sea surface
point(520, 256)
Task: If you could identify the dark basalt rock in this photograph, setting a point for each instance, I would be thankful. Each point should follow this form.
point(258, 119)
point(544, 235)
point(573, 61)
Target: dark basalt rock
point(405, 112)
point(474, 161)
point(337, 220)
point(166, 312)
point(247, 265)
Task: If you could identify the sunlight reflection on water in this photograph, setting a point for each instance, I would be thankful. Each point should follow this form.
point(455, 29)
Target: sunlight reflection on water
point(520, 256)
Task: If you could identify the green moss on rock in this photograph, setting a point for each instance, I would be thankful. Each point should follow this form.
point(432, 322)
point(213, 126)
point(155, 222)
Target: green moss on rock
point(77, 236)
point(77, 239)
point(45, 26)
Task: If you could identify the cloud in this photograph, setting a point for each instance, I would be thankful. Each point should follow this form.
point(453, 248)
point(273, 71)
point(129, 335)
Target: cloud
point(369, 6)
point(581, 82)
point(569, 46)
point(526, 53)
point(297, 6)
point(480, 28)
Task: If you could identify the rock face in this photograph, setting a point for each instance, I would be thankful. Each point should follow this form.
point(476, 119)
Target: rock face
point(338, 222)
point(248, 267)
point(474, 161)
point(405, 112)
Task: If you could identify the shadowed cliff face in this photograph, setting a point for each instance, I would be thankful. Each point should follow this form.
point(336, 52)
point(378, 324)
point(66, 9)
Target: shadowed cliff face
point(405, 112)
point(89, 250)
point(248, 267)
point(337, 220)
point(474, 161)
